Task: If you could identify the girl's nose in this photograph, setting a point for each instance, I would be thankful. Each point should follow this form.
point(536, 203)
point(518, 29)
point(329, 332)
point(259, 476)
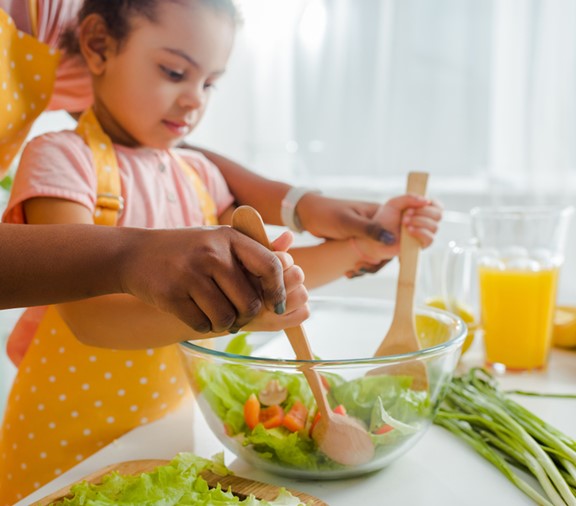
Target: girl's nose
point(192, 97)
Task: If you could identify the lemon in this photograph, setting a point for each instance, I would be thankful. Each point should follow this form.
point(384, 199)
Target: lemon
point(463, 312)
point(564, 327)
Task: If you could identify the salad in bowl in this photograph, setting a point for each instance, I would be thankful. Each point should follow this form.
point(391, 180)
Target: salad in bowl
point(256, 400)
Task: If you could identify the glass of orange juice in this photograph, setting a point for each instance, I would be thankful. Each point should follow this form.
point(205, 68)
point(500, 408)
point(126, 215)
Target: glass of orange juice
point(519, 252)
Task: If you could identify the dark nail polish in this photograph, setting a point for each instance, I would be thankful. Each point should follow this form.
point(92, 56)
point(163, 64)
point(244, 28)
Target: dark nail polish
point(280, 308)
point(387, 237)
point(363, 270)
point(233, 330)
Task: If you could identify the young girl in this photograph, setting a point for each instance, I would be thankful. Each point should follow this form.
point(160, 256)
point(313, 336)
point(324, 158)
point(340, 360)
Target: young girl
point(36, 267)
point(81, 383)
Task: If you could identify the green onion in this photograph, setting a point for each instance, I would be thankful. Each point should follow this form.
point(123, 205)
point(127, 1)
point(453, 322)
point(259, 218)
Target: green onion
point(538, 394)
point(510, 436)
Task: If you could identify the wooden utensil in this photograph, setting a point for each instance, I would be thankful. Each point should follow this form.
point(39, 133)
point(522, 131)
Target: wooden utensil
point(342, 438)
point(240, 487)
point(401, 337)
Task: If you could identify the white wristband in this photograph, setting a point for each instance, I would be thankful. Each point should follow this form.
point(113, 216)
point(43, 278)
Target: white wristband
point(288, 210)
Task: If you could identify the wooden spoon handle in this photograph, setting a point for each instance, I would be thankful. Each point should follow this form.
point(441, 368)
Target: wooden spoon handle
point(247, 220)
point(409, 253)
point(301, 346)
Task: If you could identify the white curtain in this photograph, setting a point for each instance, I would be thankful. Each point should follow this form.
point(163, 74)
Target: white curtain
point(356, 91)
point(533, 125)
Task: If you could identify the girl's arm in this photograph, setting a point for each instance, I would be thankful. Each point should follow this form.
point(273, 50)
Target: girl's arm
point(208, 265)
point(334, 258)
point(249, 188)
point(325, 262)
point(323, 217)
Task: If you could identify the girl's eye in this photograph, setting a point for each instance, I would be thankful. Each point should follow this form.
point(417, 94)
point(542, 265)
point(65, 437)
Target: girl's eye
point(209, 85)
point(172, 74)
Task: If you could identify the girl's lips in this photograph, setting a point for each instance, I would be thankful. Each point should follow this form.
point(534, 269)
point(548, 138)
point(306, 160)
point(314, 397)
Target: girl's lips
point(176, 127)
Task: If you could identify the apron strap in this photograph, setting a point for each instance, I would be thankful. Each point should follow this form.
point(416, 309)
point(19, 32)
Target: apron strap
point(33, 15)
point(109, 200)
point(207, 204)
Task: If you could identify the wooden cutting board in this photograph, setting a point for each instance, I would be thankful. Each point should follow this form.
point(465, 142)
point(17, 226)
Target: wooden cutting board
point(241, 487)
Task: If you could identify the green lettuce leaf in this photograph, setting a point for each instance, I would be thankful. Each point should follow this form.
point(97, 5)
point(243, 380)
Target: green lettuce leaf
point(239, 346)
point(6, 183)
point(374, 400)
point(294, 449)
point(227, 387)
point(177, 483)
point(361, 395)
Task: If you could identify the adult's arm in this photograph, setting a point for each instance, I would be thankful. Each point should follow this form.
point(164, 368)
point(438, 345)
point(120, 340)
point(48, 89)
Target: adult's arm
point(42, 264)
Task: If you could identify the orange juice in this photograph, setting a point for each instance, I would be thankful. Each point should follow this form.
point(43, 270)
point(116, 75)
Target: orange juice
point(517, 309)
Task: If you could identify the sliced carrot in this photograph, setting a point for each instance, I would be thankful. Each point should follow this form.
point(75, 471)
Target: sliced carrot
point(339, 410)
point(252, 411)
point(383, 429)
point(317, 417)
point(295, 419)
point(272, 416)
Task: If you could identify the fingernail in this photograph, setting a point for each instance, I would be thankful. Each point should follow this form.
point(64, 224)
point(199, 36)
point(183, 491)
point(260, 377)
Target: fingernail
point(363, 270)
point(386, 237)
point(280, 308)
point(233, 331)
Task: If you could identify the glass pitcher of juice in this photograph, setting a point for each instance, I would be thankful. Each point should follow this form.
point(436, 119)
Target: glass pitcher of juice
point(517, 253)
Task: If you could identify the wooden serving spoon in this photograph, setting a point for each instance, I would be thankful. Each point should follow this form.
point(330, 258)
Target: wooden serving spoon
point(340, 437)
point(401, 337)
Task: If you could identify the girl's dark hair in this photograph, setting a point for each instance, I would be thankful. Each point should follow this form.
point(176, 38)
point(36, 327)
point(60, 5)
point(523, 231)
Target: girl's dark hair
point(117, 13)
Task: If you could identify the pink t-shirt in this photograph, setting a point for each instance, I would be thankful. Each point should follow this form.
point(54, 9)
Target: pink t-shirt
point(156, 191)
point(73, 87)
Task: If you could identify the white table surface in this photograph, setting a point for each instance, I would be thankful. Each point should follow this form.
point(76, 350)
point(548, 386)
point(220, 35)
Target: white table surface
point(439, 470)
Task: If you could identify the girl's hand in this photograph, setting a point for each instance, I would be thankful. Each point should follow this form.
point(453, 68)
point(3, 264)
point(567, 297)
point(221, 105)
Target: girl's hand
point(420, 216)
point(297, 309)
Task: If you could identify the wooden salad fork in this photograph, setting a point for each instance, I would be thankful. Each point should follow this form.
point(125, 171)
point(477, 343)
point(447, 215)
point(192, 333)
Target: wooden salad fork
point(401, 336)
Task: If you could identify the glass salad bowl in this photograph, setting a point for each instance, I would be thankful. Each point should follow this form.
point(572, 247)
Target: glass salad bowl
point(256, 400)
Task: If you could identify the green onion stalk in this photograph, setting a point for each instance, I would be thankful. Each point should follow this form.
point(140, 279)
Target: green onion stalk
point(511, 437)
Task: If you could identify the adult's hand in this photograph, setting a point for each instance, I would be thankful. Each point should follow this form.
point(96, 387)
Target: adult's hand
point(331, 218)
point(212, 278)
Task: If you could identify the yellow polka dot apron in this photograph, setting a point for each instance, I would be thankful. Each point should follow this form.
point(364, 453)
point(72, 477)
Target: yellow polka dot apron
point(27, 74)
point(69, 399)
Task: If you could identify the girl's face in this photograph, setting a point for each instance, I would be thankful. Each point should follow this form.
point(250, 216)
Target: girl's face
point(154, 88)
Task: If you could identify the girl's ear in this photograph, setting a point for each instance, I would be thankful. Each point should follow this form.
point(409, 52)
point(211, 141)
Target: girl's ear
point(95, 43)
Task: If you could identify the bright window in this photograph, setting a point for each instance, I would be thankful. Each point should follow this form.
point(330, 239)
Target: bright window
point(359, 90)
